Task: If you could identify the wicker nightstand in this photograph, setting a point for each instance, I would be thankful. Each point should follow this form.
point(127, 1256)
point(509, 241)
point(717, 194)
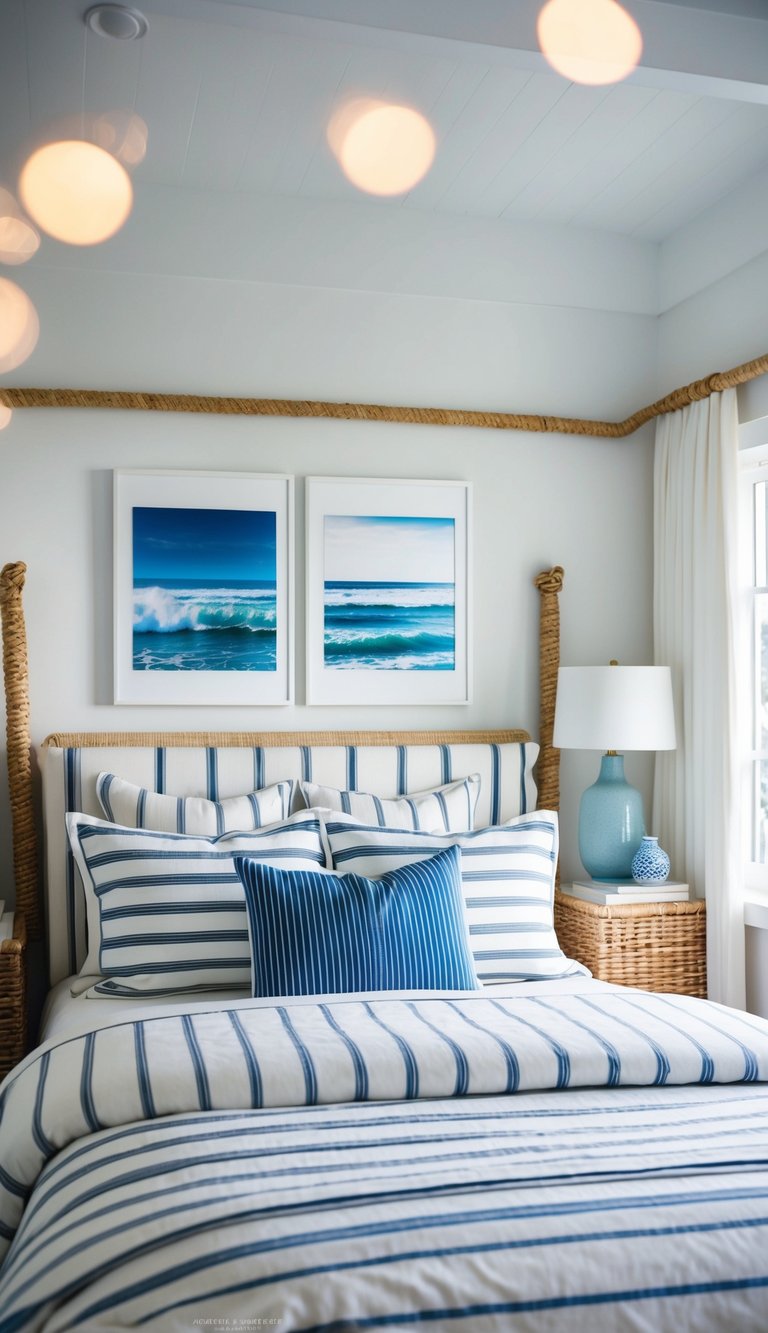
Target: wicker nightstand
point(13, 997)
point(656, 946)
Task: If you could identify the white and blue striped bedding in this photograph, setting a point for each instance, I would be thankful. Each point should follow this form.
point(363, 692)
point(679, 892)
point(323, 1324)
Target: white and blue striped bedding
point(547, 1157)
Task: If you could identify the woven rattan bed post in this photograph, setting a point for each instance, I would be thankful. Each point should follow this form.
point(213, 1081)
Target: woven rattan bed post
point(549, 582)
point(16, 674)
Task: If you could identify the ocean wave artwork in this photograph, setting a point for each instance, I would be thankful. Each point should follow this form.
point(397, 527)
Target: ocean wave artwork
point(390, 626)
point(194, 607)
point(404, 618)
point(204, 627)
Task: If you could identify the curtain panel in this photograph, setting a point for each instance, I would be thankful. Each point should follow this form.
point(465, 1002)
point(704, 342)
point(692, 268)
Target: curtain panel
point(696, 807)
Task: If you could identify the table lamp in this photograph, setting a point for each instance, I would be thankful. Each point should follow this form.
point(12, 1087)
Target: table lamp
point(613, 708)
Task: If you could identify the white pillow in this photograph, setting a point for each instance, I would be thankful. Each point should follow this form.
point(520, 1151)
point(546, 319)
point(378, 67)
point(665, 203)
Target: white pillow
point(138, 807)
point(450, 808)
point(166, 912)
point(508, 878)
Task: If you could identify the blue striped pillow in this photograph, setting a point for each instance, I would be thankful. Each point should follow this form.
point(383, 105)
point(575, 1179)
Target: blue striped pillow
point(508, 874)
point(166, 912)
point(449, 809)
point(137, 807)
point(314, 934)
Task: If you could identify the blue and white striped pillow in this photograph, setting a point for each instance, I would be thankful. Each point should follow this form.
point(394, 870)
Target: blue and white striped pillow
point(449, 809)
point(508, 874)
point(137, 807)
point(317, 934)
point(166, 912)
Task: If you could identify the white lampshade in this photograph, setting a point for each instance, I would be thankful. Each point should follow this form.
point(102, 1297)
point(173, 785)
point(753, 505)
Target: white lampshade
point(614, 708)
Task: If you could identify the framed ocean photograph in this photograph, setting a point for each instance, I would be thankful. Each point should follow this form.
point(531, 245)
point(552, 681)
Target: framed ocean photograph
point(388, 587)
point(203, 588)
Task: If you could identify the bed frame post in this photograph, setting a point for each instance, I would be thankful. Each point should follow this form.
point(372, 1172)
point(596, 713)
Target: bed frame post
point(549, 582)
point(19, 741)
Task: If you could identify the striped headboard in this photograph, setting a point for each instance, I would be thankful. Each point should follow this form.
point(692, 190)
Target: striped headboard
point(219, 765)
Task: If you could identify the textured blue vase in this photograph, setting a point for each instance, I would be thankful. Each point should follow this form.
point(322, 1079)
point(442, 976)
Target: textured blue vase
point(650, 864)
point(611, 823)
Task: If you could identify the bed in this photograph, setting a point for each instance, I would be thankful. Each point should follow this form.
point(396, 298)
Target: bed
point(537, 1151)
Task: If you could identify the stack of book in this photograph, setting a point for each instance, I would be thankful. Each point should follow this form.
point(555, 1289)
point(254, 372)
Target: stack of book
point(6, 923)
point(626, 891)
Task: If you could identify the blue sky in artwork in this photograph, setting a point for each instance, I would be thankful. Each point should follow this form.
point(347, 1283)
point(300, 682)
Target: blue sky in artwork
point(381, 547)
point(204, 543)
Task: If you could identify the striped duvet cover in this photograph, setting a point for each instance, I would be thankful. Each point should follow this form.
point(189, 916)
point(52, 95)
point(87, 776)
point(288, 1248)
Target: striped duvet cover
point(553, 1156)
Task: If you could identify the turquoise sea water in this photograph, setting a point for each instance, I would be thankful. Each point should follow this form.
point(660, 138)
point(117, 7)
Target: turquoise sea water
point(204, 625)
point(389, 626)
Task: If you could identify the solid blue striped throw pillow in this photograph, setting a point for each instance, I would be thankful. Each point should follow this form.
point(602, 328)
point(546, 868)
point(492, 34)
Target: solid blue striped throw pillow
point(314, 934)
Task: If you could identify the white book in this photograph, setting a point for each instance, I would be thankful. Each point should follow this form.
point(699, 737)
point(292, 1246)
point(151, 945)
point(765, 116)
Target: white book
point(605, 896)
point(669, 888)
point(6, 926)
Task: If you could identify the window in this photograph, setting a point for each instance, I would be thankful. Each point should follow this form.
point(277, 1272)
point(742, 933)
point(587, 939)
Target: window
point(754, 526)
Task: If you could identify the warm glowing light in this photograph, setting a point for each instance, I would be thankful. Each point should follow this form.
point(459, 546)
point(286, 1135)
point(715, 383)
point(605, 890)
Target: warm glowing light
point(19, 326)
point(18, 238)
point(76, 191)
point(123, 134)
point(382, 149)
point(5, 416)
point(589, 41)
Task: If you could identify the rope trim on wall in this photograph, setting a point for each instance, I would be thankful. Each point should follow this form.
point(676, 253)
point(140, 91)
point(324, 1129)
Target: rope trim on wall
point(421, 416)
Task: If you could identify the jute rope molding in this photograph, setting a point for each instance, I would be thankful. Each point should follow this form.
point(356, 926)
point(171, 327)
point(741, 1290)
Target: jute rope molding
point(424, 416)
point(16, 674)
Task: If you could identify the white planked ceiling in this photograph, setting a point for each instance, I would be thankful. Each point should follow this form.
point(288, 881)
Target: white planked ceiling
point(235, 108)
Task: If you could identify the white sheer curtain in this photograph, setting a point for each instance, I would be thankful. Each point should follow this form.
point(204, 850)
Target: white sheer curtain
point(696, 807)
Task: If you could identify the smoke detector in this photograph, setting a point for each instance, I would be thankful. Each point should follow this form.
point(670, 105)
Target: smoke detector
point(118, 21)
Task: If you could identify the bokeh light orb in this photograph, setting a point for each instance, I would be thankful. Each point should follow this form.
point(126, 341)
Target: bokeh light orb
point(123, 134)
point(19, 326)
point(382, 148)
point(5, 416)
point(19, 240)
point(76, 191)
point(589, 41)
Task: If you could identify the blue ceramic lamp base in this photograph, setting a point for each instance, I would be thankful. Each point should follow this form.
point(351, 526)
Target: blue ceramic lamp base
point(611, 824)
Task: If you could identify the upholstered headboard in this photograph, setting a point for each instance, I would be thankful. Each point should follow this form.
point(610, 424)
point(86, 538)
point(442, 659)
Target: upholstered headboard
point(218, 765)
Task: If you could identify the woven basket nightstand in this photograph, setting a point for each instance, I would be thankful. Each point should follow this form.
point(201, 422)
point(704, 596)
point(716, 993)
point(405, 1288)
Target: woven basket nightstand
point(13, 1007)
point(656, 946)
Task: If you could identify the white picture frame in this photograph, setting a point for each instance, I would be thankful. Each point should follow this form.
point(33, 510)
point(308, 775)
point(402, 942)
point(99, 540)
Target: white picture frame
point(383, 626)
point(186, 629)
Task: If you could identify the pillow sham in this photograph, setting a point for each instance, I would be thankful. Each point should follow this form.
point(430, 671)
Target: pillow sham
point(313, 934)
point(166, 912)
point(508, 877)
point(136, 807)
point(450, 808)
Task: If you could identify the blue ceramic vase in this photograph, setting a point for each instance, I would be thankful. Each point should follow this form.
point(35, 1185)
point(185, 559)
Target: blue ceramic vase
point(650, 864)
point(610, 822)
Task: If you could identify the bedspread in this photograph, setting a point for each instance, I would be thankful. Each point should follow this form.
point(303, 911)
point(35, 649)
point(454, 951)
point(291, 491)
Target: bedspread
point(527, 1158)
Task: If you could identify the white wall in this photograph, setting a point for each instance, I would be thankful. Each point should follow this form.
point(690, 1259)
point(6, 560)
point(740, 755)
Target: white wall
point(539, 499)
point(713, 282)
